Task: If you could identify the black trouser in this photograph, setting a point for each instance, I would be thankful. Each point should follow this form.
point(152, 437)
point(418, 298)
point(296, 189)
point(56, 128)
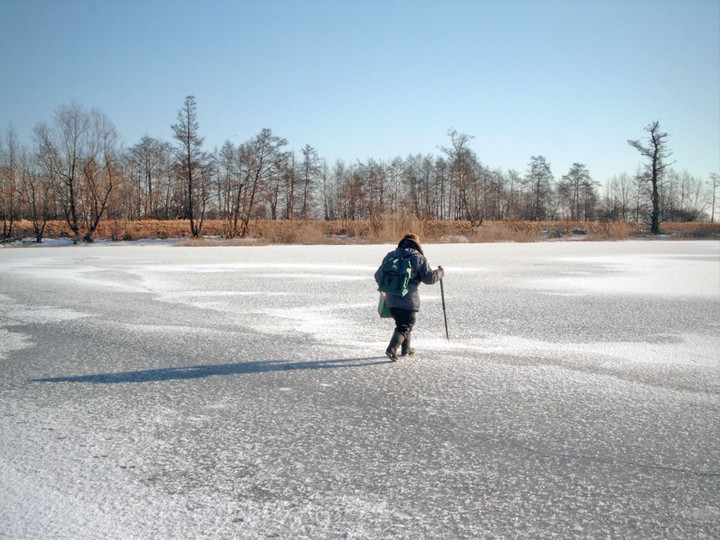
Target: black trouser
point(404, 320)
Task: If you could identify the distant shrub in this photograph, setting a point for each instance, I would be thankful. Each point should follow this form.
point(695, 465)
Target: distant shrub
point(615, 230)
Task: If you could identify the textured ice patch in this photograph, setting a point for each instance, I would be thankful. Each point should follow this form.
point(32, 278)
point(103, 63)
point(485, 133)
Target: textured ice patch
point(86, 276)
point(235, 267)
point(177, 330)
point(684, 350)
point(313, 277)
point(688, 350)
point(210, 299)
point(42, 315)
point(658, 275)
point(12, 341)
point(346, 516)
point(15, 313)
point(323, 323)
point(12, 313)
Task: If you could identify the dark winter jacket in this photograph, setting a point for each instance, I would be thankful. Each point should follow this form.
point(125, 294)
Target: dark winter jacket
point(421, 272)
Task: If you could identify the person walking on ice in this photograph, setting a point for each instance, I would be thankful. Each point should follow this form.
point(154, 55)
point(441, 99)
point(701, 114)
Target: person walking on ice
point(398, 278)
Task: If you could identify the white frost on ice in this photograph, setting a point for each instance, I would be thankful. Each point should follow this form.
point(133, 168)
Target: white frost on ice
point(649, 274)
point(12, 341)
point(12, 314)
point(672, 351)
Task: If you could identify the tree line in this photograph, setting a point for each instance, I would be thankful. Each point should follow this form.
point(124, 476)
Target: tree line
point(77, 170)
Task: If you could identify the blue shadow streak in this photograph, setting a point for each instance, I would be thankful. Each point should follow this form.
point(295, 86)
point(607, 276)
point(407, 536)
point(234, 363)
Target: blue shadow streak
point(197, 372)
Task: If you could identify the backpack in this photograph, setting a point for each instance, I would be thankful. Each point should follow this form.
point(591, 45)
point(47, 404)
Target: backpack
point(396, 275)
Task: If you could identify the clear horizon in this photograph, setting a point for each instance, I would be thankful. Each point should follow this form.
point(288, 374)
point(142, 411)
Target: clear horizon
point(571, 81)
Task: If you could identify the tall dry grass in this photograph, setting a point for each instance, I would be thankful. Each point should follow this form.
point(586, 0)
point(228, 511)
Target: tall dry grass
point(380, 229)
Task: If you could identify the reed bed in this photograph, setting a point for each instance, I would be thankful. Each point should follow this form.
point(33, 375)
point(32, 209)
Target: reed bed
point(378, 230)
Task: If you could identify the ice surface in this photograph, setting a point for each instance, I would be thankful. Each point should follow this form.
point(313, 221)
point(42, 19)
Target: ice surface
point(156, 391)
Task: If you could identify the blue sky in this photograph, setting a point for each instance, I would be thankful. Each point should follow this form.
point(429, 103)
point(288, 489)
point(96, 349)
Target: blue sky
point(569, 80)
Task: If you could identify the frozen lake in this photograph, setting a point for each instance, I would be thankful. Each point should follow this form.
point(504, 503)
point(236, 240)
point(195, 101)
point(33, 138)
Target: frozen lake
point(156, 391)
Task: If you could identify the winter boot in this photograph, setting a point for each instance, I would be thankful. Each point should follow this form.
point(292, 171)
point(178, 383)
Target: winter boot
point(395, 342)
point(407, 350)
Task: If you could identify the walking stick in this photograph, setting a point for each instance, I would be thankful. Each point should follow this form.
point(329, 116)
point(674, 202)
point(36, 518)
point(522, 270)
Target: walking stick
point(442, 295)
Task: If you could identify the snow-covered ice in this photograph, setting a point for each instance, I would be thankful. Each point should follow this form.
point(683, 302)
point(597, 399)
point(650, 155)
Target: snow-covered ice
point(161, 391)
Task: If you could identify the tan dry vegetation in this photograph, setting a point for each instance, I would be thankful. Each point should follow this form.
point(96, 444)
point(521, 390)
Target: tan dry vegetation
point(378, 230)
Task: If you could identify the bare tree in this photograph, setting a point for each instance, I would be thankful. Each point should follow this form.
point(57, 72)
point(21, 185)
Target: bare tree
point(60, 151)
point(616, 204)
point(514, 183)
point(412, 184)
point(288, 178)
point(393, 182)
point(334, 181)
point(150, 163)
point(641, 194)
point(101, 167)
point(80, 153)
point(624, 194)
point(462, 161)
point(713, 190)
point(656, 151)
point(571, 189)
point(261, 161)
point(539, 180)
point(695, 197)
point(9, 177)
point(310, 171)
point(326, 188)
point(683, 197)
point(228, 175)
point(430, 187)
point(37, 194)
point(375, 184)
point(192, 164)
